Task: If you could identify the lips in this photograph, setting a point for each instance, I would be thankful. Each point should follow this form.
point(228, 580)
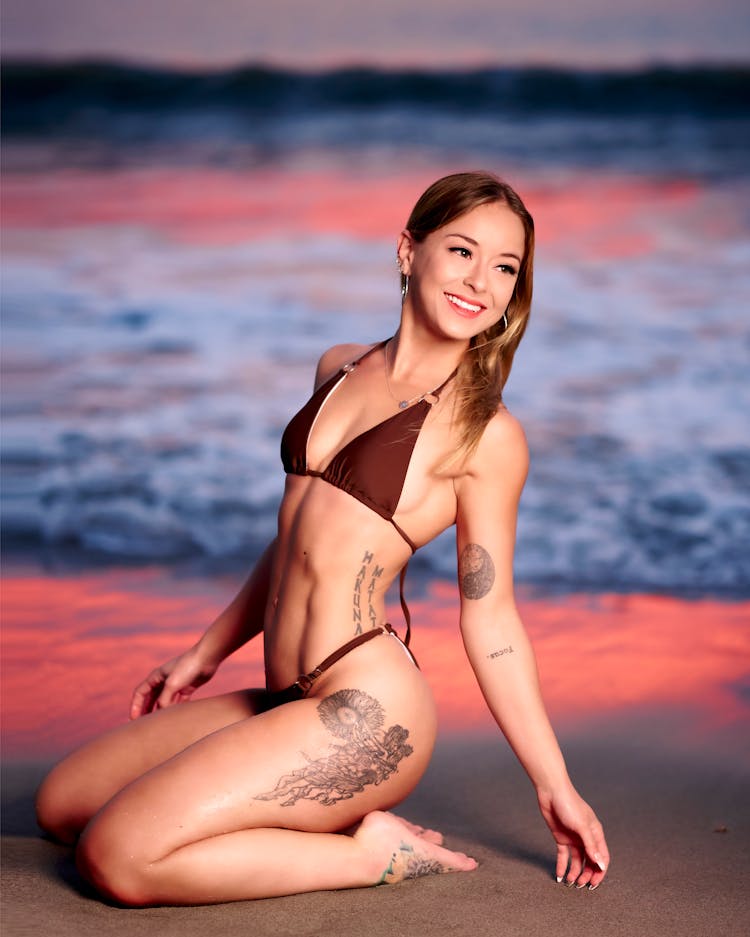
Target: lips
point(463, 307)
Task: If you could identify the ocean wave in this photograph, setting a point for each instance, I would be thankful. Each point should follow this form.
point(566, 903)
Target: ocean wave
point(38, 96)
point(580, 526)
point(153, 355)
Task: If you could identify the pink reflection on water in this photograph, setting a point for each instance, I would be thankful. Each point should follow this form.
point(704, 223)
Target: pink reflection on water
point(208, 206)
point(74, 647)
point(602, 657)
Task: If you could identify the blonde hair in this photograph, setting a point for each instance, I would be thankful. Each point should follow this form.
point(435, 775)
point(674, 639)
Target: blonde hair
point(486, 364)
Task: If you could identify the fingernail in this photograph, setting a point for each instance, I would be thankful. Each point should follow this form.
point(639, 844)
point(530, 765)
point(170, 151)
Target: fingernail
point(558, 879)
point(600, 862)
point(583, 885)
point(570, 884)
point(593, 887)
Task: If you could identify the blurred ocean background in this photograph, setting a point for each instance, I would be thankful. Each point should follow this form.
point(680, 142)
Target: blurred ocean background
point(180, 246)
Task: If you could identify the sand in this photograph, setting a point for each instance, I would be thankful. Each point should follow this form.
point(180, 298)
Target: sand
point(677, 827)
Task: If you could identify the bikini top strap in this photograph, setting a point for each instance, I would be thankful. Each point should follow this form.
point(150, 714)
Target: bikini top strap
point(434, 395)
point(351, 365)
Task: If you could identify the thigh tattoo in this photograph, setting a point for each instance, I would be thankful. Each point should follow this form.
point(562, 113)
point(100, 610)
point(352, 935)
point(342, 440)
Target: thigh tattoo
point(367, 753)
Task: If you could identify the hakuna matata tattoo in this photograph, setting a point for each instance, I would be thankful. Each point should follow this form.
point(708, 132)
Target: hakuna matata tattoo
point(367, 753)
point(476, 571)
point(375, 572)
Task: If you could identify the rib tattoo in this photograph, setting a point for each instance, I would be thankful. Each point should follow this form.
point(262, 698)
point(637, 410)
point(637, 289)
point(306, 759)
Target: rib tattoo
point(367, 754)
point(476, 571)
point(375, 573)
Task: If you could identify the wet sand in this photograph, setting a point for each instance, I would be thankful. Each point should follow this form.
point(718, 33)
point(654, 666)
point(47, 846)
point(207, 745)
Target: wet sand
point(677, 825)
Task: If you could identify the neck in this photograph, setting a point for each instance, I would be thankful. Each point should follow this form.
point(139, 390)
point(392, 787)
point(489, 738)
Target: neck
point(420, 358)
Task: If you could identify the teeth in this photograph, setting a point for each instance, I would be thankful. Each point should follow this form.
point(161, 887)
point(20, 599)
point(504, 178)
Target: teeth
point(463, 304)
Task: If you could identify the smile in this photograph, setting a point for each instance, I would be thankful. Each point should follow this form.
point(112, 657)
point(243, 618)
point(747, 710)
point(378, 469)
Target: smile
point(463, 306)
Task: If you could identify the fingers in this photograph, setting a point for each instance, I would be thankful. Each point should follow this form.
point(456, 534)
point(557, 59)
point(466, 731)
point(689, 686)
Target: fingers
point(597, 852)
point(146, 694)
point(173, 682)
point(583, 864)
point(574, 869)
point(563, 858)
point(171, 697)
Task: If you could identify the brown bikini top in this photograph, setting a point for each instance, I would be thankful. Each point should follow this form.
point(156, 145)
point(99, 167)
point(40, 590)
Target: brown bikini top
point(371, 467)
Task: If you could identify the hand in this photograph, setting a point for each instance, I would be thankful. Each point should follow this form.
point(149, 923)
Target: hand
point(582, 854)
point(173, 682)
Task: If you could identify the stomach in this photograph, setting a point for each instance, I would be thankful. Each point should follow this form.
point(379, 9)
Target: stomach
point(335, 560)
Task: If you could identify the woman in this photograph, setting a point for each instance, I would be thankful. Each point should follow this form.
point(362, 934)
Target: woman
point(262, 793)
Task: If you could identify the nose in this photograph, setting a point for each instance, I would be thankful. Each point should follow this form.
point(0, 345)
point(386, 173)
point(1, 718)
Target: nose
point(476, 278)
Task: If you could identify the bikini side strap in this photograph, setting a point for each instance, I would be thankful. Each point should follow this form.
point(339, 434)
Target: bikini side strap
point(306, 680)
point(404, 606)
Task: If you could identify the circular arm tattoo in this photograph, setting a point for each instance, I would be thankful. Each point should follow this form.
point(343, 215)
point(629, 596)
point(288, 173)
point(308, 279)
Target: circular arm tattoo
point(476, 571)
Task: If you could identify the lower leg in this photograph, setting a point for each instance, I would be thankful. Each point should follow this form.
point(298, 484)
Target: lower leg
point(266, 863)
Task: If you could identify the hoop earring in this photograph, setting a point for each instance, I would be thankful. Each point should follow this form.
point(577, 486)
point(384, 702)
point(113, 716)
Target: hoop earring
point(504, 322)
point(404, 287)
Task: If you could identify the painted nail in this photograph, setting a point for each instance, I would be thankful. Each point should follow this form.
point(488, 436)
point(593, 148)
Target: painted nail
point(582, 885)
point(593, 887)
point(600, 862)
point(570, 884)
point(558, 879)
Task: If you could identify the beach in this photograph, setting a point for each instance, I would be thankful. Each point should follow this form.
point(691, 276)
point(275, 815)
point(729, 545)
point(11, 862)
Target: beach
point(179, 249)
point(653, 727)
point(678, 829)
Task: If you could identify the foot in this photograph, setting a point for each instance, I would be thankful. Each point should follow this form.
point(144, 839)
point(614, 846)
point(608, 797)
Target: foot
point(430, 836)
point(403, 853)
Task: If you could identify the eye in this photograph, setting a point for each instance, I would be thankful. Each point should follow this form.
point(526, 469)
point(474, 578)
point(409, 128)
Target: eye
point(461, 251)
point(508, 269)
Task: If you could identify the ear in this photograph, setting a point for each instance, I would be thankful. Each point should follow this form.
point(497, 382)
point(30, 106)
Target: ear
point(405, 252)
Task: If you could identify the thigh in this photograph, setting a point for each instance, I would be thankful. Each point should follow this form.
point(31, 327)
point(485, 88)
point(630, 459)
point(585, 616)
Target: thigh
point(90, 776)
point(360, 743)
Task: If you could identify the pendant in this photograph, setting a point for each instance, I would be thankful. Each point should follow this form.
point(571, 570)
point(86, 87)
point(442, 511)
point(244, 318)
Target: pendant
point(403, 404)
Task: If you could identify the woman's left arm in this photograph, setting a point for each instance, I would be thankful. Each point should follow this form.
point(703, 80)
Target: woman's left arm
point(500, 652)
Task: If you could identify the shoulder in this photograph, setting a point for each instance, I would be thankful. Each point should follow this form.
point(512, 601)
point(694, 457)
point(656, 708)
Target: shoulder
point(502, 453)
point(335, 358)
point(489, 489)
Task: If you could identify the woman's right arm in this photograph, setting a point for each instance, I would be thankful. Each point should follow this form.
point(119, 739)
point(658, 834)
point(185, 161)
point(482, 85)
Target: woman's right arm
point(241, 620)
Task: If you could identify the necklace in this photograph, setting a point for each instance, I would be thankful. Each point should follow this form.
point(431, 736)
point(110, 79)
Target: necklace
point(402, 404)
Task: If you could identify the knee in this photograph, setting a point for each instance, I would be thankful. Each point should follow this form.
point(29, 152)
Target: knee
point(107, 863)
point(53, 810)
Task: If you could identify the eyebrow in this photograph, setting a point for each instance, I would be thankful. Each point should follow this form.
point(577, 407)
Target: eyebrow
point(466, 237)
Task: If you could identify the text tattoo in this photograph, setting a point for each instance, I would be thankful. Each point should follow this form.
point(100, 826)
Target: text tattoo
point(363, 595)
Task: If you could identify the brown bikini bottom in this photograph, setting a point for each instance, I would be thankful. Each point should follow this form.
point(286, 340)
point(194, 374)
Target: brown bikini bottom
point(301, 686)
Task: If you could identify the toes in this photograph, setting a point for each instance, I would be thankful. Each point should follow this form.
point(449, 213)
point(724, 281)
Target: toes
point(465, 863)
point(429, 836)
point(432, 836)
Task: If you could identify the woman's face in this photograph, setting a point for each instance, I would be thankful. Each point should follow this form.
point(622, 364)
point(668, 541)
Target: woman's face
point(462, 276)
